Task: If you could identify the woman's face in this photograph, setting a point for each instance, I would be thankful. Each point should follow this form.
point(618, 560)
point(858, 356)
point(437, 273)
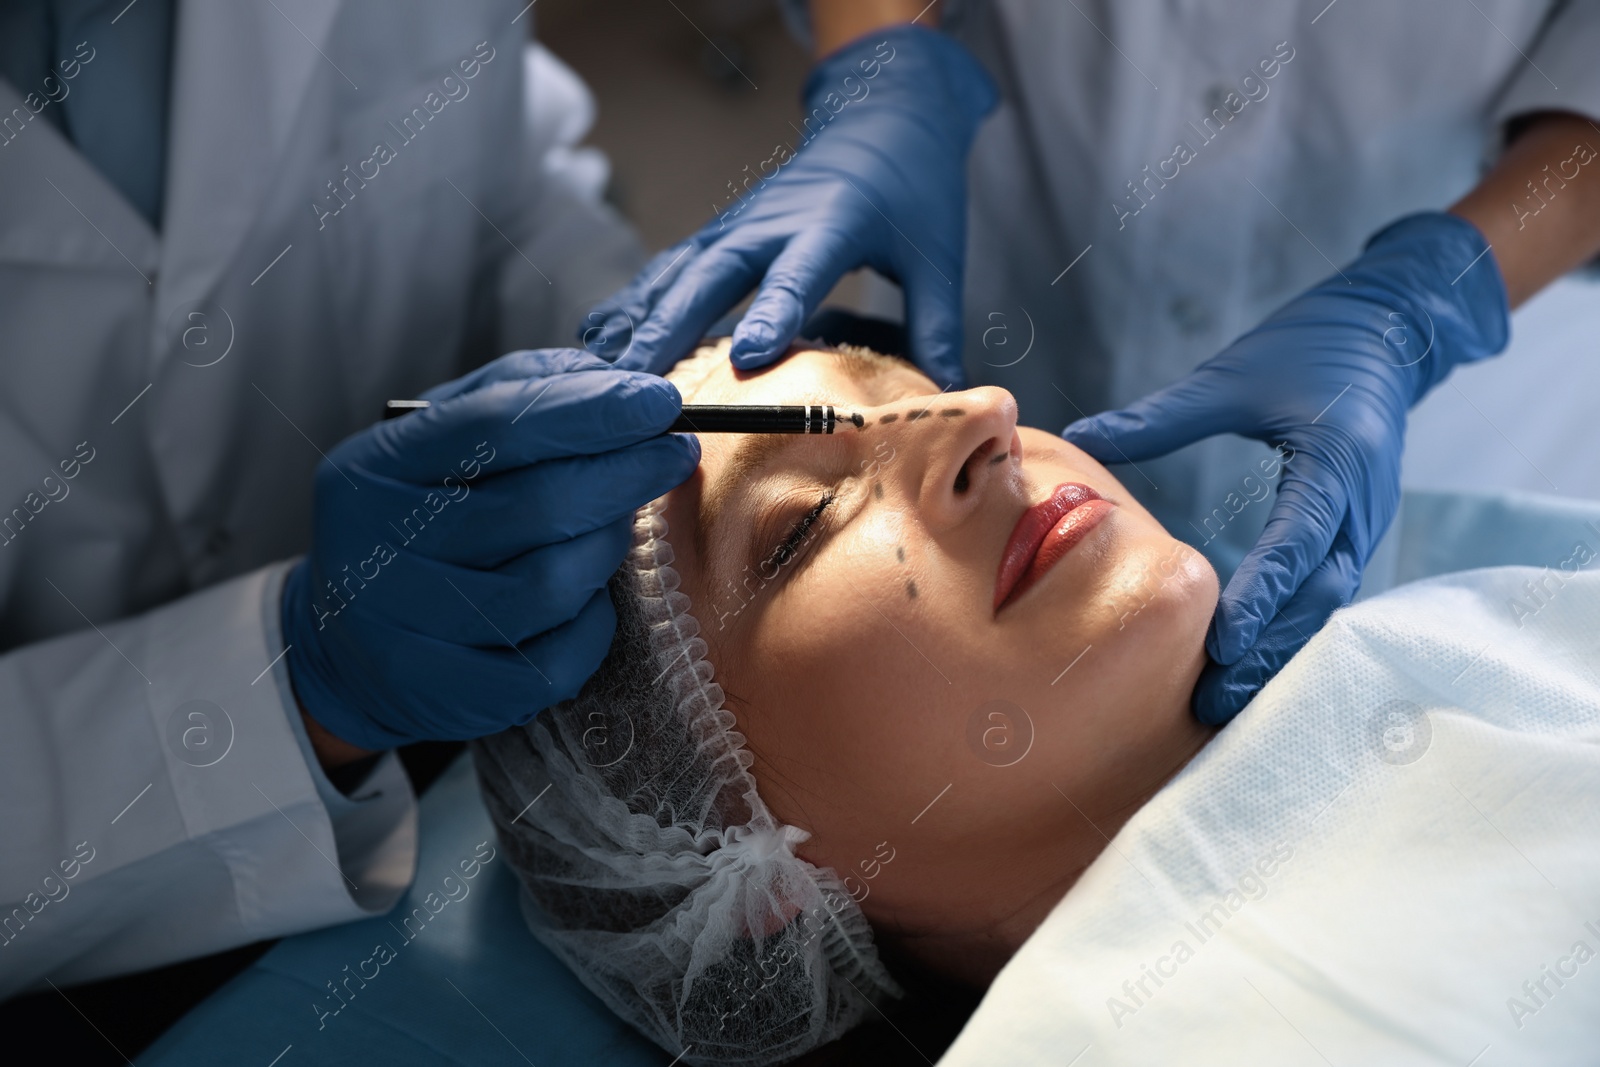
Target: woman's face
point(847, 586)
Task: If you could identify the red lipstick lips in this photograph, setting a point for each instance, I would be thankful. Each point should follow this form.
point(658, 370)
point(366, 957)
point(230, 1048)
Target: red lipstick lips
point(1046, 532)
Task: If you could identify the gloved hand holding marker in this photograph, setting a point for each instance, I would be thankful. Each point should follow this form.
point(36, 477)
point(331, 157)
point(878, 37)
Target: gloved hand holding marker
point(722, 418)
point(456, 582)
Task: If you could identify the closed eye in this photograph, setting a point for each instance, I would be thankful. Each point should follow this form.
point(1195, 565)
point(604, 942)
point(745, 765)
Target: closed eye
point(790, 547)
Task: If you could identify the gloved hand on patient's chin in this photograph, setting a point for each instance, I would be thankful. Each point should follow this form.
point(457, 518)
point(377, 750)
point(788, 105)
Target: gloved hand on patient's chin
point(456, 582)
point(881, 183)
point(1331, 375)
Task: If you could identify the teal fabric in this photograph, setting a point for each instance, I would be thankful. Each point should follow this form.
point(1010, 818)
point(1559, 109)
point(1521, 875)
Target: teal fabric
point(115, 110)
point(470, 986)
point(1439, 532)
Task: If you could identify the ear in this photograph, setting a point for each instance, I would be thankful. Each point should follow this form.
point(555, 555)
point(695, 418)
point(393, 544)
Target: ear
point(767, 912)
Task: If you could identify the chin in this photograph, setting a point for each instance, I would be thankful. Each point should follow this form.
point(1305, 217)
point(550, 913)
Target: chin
point(1180, 610)
point(1162, 595)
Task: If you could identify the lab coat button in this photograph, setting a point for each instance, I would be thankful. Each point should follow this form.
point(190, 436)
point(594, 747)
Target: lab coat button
point(1189, 314)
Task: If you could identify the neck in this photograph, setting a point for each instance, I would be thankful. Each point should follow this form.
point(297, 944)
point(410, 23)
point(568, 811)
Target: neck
point(975, 955)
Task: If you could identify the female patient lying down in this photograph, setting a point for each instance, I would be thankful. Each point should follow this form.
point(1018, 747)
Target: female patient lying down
point(832, 656)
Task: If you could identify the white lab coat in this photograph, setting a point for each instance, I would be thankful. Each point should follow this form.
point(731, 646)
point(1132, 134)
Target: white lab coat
point(163, 402)
point(1384, 109)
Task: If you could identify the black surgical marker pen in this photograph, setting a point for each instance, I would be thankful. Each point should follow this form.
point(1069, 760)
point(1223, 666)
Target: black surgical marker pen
point(761, 418)
point(724, 418)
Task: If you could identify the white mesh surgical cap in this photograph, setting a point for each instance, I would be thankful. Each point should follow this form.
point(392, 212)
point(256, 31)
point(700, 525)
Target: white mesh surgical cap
point(651, 866)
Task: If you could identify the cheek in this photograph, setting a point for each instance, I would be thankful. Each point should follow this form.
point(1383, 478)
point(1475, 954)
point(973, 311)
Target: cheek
point(884, 566)
point(1151, 590)
point(1186, 593)
point(1148, 642)
point(840, 725)
point(834, 697)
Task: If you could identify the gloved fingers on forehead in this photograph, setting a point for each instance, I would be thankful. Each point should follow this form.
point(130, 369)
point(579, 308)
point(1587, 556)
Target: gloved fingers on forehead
point(933, 324)
point(550, 503)
point(1307, 515)
point(518, 422)
point(655, 277)
point(610, 325)
point(704, 290)
point(536, 592)
point(514, 366)
point(533, 675)
point(800, 276)
point(1223, 691)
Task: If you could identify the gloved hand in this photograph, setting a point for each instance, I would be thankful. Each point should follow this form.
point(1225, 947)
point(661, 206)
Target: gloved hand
point(880, 181)
point(1332, 374)
point(456, 582)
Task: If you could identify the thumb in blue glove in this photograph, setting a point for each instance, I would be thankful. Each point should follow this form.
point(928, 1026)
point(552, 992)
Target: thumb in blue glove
point(456, 582)
point(1331, 375)
point(879, 181)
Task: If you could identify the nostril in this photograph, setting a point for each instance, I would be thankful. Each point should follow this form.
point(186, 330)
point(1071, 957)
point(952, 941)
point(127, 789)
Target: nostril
point(964, 476)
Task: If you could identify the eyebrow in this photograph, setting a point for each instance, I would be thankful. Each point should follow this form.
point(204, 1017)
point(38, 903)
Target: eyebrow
point(862, 366)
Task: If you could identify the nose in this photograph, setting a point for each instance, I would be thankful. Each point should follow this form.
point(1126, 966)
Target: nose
point(950, 449)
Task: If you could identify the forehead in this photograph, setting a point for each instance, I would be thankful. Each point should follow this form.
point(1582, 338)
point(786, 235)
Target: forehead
point(854, 376)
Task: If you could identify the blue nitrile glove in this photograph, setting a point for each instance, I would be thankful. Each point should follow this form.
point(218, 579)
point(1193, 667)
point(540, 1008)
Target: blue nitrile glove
point(878, 180)
point(456, 582)
point(1331, 374)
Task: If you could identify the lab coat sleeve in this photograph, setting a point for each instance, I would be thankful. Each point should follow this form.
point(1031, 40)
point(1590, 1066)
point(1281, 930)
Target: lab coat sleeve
point(1562, 73)
point(161, 802)
point(583, 248)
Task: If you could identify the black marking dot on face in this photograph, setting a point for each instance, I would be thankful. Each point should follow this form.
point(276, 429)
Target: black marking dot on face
point(911, 590)
point(951, 413)
point(1000, 458)
point(900, 553)
point(915, 415)
point(889, 418)
point(877, 490)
